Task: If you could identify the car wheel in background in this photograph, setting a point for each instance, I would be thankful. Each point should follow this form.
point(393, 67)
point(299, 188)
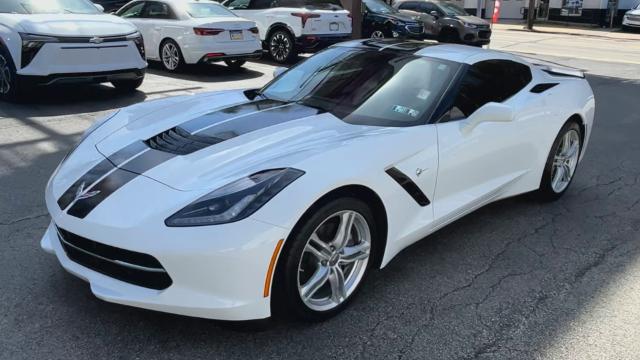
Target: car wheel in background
point(562, 163)
point(281, 46)
point(235, 64)
point(9, 89)
point(325, 260)
point(127, 85)
point(171, 56)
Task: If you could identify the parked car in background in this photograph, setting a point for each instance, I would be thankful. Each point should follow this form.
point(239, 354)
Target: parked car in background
point(380, 20)
point(289, 27)
point(447, 22)
point(110, 6)
point(66, 41)
point(631, 19)
point(178, 32)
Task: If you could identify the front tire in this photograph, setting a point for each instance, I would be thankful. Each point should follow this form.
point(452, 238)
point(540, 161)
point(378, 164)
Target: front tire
point(127, 86)
point(9, 85)
point(325, 260)
point(171, 56)
point(282, 46)
point(562, 163)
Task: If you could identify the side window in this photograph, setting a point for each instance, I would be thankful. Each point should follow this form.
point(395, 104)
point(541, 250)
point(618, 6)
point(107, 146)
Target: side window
point(260, 4)
point(428, 7)
point(408, 6)
point(488, 81)
point(132, 11)
point(158, 10)
point(238, 4)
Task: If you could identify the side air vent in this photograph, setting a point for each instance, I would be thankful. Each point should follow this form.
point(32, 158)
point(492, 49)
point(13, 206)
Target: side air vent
point(540, 88)
point(180, 142)
point(409, 186)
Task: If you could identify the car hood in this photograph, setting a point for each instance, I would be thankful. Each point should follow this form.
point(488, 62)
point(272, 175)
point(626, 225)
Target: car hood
point(472, 20)
point(190, 148)
point(633, 12)
point(73, 24)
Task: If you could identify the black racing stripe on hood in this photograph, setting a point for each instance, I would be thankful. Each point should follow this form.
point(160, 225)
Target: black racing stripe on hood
point(117, 179)
point(140, 157)
point(98, 171)
point(215, 117)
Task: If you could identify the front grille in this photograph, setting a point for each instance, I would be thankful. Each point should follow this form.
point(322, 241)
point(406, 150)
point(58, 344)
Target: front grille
point(633, 17)
point(483, 27)
point(125, 265)
point(180, 142)
point(415, 29)
point(484, 34)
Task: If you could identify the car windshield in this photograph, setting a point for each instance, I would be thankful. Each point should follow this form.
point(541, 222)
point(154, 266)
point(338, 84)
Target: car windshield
point(452, 9)
point(367, 87)
point(379, 7)
point(204, 10)
point(48, 7)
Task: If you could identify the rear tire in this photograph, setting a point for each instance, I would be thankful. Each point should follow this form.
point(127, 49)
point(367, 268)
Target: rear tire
point(281, 46)
point(562, 163)
point(235, 64)
point(127, 86)
point(171, 56)
point(312, 249)
point(9, 83)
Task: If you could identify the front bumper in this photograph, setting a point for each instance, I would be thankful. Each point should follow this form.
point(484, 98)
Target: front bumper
point(476, 36)
point(634, 23)
point(217, 272)
point(313, 43)
point(82, 78)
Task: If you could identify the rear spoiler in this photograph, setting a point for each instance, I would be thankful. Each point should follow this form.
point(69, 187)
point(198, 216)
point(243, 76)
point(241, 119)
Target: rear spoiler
point(554, 68)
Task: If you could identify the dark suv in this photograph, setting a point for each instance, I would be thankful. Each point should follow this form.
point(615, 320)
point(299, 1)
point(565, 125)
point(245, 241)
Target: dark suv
point(380, 20)
point(447, 22)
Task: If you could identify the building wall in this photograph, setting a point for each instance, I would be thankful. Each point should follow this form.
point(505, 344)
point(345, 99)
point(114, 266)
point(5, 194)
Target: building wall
point(594, 12)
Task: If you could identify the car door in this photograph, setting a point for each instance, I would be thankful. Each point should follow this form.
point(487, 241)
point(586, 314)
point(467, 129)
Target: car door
point(158, 19)
point(431, 25)
point(477, 164)
point(134, 13)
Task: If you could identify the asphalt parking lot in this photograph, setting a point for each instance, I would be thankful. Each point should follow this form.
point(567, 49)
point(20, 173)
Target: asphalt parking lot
point(518, 279)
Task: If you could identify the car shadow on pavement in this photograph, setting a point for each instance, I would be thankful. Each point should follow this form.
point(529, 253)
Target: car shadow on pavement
point(68, 99)
point(205, 72)
point(511, 280)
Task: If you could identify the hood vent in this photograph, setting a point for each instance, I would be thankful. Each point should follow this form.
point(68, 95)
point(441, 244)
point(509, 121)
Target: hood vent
point(180, 142)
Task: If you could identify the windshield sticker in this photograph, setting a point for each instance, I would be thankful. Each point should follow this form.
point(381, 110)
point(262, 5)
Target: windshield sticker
point(406, 111)
point(424, 94)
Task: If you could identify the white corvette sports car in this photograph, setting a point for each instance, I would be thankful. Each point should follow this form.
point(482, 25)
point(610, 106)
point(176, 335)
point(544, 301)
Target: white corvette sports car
point(236, 205)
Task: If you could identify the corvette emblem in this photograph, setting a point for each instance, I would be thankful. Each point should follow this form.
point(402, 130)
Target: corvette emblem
point(96, 40)
point(82, 194)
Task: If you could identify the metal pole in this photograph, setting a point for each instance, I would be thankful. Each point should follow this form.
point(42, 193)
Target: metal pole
point(531, 14)
point(355, 8)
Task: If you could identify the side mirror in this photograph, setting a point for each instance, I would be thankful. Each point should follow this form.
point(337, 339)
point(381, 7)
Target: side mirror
point(489, 112)
point(278, 71)
point(434, 14)
point(99, 7)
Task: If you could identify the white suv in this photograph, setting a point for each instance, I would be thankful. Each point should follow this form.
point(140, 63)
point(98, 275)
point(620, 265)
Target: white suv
point(288, 27)
point(66, 41)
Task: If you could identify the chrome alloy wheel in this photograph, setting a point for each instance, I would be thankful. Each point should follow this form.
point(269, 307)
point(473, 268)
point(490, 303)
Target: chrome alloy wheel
point(334, 260)
point(280, 46)
point(565, 161)
point(378, 34)
point(5, 76)
point(170, 56)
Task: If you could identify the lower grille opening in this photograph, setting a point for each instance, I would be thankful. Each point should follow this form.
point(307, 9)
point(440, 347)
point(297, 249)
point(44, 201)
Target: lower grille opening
point(125, 265)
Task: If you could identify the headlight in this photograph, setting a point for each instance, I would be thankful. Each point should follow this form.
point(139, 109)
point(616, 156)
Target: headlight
point(470, 26)
point(394, 21)
point(137, 39)
point(235, 201)
point(31, 45)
